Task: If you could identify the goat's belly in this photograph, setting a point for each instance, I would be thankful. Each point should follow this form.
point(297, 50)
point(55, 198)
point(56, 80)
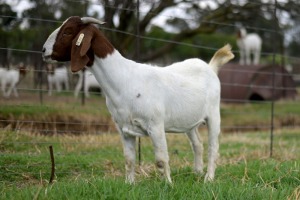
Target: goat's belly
point(133, 131)
point(183, 126)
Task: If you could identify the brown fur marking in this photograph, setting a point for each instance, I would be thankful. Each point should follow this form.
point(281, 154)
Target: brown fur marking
point(94, 43)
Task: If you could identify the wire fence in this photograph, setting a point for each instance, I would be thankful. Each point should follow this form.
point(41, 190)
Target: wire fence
point(35, 97)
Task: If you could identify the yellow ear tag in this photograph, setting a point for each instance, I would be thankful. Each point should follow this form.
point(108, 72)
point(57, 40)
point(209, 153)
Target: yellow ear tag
point(79, 40)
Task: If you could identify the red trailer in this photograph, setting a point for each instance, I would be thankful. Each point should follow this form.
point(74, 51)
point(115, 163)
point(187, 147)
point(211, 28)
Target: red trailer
point(255, 82)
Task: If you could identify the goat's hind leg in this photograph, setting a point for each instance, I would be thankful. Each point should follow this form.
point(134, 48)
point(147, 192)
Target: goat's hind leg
point(197, 146)
point(213, 124)
point(256, 55)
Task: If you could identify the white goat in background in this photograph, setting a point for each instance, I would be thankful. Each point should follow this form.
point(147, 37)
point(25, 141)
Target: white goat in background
point(145, 100)
point(57, 77)
point(9, 79)
point(249, 44)
point(89, 81)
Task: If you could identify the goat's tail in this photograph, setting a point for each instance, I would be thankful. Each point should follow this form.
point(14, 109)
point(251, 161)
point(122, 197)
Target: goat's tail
point(221, 57)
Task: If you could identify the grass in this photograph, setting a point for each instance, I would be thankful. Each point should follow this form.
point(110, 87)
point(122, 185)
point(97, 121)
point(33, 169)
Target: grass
point(256, 115)
point(64, 108)
point(92, 167)
point(53, 105)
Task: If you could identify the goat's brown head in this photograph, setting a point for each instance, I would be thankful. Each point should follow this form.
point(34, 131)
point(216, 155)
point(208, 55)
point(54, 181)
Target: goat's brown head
point(76, 40)
point(22, 69)
point(50, 68)
point(241, 33)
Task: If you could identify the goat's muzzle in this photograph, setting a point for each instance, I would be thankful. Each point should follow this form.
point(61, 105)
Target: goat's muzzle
point(47, 57)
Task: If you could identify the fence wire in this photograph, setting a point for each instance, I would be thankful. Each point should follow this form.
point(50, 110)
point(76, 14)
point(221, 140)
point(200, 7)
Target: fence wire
point(58, 126)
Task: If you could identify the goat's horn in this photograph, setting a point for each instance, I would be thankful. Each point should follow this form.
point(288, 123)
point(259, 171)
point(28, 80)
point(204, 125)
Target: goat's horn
point(87, 20)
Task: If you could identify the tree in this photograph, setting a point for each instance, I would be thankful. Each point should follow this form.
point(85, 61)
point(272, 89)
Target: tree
point(6, 23)
point(224, 15)
point(220, 16)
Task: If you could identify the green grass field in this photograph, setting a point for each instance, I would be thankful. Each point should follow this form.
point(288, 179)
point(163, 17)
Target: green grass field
point(92, 167)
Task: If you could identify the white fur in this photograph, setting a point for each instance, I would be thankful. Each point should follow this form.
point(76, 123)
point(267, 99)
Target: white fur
point(145, 100)
point(59, 78)
point(89, 81)
point(9, 79)
point(249, 44)
point(149, 101)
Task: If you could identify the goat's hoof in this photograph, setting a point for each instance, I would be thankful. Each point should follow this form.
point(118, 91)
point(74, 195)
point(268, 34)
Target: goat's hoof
point(199, 171)
point(169, 180)
point(208, 178)
point(129, 181)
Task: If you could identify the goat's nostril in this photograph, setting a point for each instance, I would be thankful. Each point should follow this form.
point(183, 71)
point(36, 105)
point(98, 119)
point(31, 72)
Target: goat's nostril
point(44, 50)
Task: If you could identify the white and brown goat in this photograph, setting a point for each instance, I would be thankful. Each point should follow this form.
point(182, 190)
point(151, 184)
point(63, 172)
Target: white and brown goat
point(145, 100)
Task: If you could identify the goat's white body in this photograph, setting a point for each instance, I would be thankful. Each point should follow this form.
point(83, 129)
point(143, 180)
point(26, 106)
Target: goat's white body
point(249, 44)
point(89, 81)
point(59, 78)
point(176, 94)
point(9, 78)
point(147, 100)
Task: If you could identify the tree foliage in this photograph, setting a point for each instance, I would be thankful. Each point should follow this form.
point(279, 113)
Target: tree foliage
point(198, 24)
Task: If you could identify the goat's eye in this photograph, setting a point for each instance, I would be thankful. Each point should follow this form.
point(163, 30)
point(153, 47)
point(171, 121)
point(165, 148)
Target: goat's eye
point(67, 32)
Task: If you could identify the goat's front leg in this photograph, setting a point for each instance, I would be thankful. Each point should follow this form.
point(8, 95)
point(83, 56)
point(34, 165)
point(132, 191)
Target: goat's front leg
point(158, 138)
point(15, 91)
point(248, 56)
point(129, 153)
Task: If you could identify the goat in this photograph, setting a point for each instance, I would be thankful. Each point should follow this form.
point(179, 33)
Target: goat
point(57, 76)
point(89, 81)
point(146, 100)
point(249, 44)
point(10, 78)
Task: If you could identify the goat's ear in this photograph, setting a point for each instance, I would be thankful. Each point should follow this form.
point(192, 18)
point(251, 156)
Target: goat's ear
point(80, 46)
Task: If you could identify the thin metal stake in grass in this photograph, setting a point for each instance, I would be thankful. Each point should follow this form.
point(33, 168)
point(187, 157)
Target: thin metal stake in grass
point(52, 165)
point(273, 85)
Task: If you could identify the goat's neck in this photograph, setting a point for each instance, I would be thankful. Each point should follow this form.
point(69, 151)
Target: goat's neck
point(113, 73)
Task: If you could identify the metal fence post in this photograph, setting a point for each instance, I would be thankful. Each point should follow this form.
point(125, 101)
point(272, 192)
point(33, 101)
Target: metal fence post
point(273, 82)
point(82, 88)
